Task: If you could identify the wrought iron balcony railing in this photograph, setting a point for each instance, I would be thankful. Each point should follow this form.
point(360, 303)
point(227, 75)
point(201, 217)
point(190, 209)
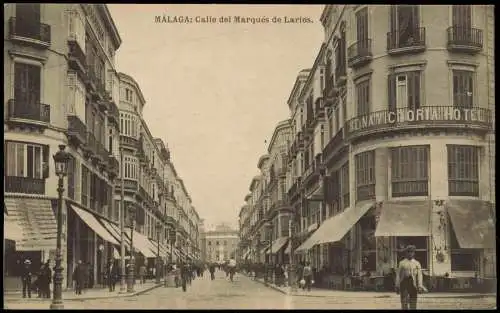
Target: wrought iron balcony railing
point(38, 112)
point(411, 39)
point(359, 53)
point(465, 38)
point(22, 28)
point(27, 185)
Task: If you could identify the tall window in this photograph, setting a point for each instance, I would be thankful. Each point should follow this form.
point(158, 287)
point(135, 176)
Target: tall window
point(27, 86)
point(85, 185)
point(76, 96)
point(462, 23)
point(409, 171)
point(344, 186)
point(463, 170)
point(110, 141)
point(404, 90)
point(71, 177)
point(368, 243)
point(129, 95)
point(25, 160)
point(362, 28)
point(421, 251)
point(128, 124)
point(365, 175)
point(28, 20)
point(363, 97)
point(405, 24)
point(131, 167)
point(463, 87)
point(340, 54)
point(336, 112)
point(343, 101)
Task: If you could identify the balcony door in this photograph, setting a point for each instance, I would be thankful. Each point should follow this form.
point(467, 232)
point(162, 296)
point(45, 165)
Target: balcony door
point(28, 20)
point(405, 24)
point(362, 29)
point(462, 22)
point(26, 88)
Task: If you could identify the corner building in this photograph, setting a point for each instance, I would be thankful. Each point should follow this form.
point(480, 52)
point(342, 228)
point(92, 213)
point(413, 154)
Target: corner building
point(393, 144)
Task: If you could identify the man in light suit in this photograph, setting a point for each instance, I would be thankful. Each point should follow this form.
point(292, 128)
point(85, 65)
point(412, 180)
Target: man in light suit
point(409, 281)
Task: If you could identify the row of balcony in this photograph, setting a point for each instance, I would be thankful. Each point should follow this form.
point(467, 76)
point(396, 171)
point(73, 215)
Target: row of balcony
point(459, 39)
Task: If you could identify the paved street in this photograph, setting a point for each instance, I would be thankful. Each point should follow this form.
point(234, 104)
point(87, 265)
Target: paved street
point(246, 294)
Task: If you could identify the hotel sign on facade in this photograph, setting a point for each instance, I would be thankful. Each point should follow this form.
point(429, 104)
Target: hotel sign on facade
point(428, 116)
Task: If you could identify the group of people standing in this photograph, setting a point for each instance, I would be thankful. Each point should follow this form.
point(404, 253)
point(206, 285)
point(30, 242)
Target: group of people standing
point(41, 283)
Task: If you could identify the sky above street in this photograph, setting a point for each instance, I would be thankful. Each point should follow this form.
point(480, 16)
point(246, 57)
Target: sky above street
point(215, 91)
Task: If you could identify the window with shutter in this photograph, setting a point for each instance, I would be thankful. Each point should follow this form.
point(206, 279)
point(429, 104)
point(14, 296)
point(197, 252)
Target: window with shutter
point(463, 87)
point(405, 26)
point(409, 171)
point(463, 170)
point(365, 175)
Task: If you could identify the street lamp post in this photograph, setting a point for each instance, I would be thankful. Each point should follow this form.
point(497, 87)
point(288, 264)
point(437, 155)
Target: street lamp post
point(123, 272)
point(61, 159)
point(158, 226)
point(131, 267)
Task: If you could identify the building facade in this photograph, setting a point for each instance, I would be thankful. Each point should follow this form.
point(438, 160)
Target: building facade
point(393, 143)
point(62, 88)
point(221, 243)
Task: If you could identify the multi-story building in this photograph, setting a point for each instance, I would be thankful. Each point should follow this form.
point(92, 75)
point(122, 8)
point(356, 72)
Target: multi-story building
point(221, 243)
point(393, 142)
point(244, 217)
point(61, 87)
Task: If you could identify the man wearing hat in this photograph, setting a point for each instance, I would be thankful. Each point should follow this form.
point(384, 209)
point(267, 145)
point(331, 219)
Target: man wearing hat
point(26, 278)
point(409, 281)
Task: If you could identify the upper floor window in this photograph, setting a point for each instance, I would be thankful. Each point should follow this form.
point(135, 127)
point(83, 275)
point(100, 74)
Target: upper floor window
point(27, 85)
point(131, 167)
point(463, 87)
point(363, 97)
point(405, 26)
point(76, 96)
point(344, 186)
point(463, 170)
point(405, 90)
point(409, 171)
point(25, 160)
point(365, 175)
point(28, 20)
point(129, 95)
point(77, 28)
point(462, 16)
point(362, 27)
point(128, 124)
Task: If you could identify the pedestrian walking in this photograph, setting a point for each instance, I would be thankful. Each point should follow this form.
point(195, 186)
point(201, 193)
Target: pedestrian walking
point(47, 278)
point(111, 274)
point(409, 280)
point(211, 269)
point(26, 278)
point(307, 276)
point(79, 277)
point(142, 274)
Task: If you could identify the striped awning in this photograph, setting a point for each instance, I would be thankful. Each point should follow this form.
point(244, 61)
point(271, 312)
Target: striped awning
point(32, 224)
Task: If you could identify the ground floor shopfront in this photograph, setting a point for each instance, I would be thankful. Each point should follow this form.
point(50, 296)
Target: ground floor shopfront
point(455, 242)
point(86, 236)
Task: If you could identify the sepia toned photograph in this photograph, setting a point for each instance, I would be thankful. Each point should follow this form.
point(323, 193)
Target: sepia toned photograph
point(244, 156)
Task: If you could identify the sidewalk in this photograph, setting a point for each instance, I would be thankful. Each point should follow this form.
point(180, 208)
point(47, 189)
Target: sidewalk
point(324, 293)
point(89, 294)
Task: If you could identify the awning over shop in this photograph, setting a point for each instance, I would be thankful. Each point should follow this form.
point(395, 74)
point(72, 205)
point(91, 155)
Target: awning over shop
point(335, 228)
point(143, 244)
point(277, 245)
point(115, 231)
point(405, 219)
point(94, 224)
point(11, 230)
point(32, 223)
point(473, 223)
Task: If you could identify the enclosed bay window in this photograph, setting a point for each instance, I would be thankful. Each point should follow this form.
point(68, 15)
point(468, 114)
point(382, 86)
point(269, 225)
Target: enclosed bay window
point(463, 89)
point(76, 96)
point(463, 170)
point(365, 176)
point(131, 167)
point(129, 95)
point(128, 124)
point(410, 171)
point(77, 28)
